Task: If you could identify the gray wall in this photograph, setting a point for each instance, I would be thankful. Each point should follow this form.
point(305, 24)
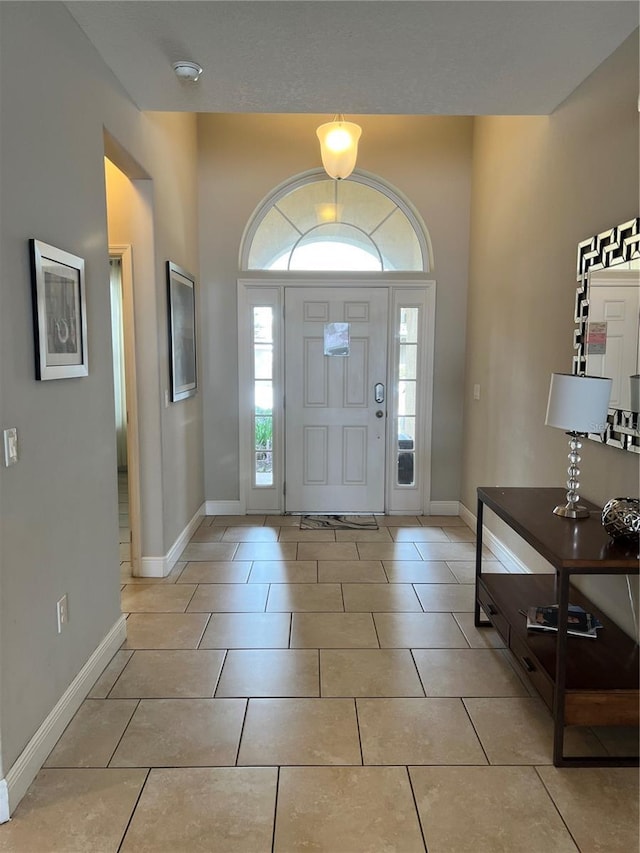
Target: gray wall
point(243, 158)
point(137, 213)
point(541, 185)
point(58, 505)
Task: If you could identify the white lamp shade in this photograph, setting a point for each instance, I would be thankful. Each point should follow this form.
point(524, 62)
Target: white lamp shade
point(578, 403)
point(339, 147)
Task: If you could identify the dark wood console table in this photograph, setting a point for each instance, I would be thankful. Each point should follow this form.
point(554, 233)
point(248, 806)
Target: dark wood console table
point(585, 682)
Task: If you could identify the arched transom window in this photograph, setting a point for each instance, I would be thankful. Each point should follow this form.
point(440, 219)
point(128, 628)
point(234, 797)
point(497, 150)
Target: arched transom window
point(315, 223)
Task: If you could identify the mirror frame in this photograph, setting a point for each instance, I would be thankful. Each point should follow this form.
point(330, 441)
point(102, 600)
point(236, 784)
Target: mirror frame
point(607, 249)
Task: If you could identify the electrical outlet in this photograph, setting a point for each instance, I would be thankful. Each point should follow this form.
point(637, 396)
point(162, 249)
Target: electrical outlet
point(476, 392)
point(62, 609)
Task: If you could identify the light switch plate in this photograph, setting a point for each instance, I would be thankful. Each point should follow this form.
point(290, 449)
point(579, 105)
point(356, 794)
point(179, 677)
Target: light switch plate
point(10, 446)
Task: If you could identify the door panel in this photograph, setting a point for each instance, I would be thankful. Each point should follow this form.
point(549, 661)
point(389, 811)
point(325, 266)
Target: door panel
point(316, 464)
point(334, 442)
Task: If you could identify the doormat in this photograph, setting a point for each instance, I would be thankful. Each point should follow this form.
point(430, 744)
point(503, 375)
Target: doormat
point(338, 522)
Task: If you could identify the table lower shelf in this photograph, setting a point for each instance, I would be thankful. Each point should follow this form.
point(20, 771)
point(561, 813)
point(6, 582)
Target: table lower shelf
point(602, 682)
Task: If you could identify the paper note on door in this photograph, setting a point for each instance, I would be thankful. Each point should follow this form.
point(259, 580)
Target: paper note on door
point(336, 339)
point(596, 338)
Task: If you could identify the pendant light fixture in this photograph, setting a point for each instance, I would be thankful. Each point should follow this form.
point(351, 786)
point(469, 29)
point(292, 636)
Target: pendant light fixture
point(339, 147)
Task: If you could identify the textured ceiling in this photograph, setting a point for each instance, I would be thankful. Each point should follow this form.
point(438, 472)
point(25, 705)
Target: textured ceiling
point(455, 57)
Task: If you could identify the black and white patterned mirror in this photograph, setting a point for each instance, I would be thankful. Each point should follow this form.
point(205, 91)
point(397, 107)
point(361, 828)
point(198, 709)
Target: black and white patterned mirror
point(607, 314)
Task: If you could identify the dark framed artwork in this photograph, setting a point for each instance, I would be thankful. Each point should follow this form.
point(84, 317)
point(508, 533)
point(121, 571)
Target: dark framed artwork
point(181, 299)
point(59, 312)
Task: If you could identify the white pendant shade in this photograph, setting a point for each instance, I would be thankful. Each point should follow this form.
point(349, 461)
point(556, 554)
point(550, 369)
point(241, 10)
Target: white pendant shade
point(578, 403)
point(339, 147)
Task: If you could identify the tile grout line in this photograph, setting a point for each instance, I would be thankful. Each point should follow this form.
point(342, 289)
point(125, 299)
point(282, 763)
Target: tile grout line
point(215, 686)
point(244, 720)
point(195, 589)
point(124, 731)
point(375, 628)
point(415, 592)
point(424, 690)
point(355, 706)
point(120, 674)
point(473, 726)
point(535, 768)
point(275, 810)
point(459, 626)
point(415, 804)
point(204, 631)
point(134, 809)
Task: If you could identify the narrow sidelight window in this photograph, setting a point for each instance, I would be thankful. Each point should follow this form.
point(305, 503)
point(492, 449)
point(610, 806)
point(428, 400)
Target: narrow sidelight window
point(406, 411)
point(262, 339)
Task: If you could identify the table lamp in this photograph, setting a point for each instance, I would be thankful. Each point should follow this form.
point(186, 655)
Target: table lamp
point(578, 405)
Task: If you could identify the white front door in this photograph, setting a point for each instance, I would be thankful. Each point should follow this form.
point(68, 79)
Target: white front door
point(335, 431)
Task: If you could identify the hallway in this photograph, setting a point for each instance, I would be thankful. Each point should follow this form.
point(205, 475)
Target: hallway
point(287, 690)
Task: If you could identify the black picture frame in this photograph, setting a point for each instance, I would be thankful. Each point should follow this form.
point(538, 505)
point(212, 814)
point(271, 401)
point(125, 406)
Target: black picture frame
point(59, 312)
point(181, 302)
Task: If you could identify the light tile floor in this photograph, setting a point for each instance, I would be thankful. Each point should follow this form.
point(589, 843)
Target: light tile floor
point(283, 691)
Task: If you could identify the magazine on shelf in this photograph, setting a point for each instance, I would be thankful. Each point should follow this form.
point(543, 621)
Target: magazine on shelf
point(580, 623)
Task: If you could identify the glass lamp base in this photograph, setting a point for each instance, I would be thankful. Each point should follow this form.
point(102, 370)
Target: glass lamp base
point(572, 511)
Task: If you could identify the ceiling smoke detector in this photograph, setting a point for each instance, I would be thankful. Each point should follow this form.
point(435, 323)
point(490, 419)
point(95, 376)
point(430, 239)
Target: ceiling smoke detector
point(187, 70)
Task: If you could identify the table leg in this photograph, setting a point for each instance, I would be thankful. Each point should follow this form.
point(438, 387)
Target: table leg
point(477, 621)
point(562, 580)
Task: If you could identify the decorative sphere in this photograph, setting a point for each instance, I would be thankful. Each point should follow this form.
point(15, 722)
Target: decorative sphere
point(621, 518)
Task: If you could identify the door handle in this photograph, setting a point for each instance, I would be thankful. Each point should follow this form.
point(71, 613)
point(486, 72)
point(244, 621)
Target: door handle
point(378, 391)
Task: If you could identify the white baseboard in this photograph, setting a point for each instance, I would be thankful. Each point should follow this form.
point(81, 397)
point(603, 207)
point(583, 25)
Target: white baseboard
point(468, 517)
point(33, 756)
point(444, 507)
point(153, 567)
point(225, 508)
point(159, 567)
point(179, 545)
point(506, 556)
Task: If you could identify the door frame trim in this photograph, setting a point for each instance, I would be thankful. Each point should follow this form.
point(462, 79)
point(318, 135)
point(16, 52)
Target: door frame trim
point(277, 283)
point(125, 253)
point(411, 500)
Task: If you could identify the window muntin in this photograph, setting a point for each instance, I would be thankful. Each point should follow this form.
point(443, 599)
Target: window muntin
point(335, 246)
point(274, 232)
